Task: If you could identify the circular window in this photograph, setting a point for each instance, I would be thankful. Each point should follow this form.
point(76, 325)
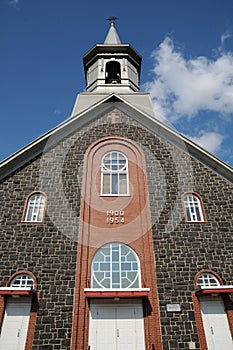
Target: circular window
point(114, 161)
point(115, 265)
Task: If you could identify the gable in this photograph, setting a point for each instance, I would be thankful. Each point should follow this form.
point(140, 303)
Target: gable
point(104, 107)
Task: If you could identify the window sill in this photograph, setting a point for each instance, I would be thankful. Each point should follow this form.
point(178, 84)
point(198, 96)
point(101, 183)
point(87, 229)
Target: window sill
point(196, 222)
point(203, 290)
point(33, 222)
point(17, 291)
point(116, 293)
point(114, 195)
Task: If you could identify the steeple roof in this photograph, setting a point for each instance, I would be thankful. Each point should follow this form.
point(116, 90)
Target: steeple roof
point(112, 36)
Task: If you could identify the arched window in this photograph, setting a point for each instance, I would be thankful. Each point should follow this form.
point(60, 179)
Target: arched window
point(212, 311)
point(115, 265)
point(113, 73)
point(207, 279)
point(114, 174)
point(35, 209)
point(193, 208)
point(19, 313)
point(22, 280)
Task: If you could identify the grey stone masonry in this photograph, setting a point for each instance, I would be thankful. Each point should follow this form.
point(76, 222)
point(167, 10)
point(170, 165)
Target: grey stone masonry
point(49, 249)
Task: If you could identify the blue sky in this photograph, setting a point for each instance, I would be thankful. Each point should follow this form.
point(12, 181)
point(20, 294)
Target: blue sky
point(187, 50)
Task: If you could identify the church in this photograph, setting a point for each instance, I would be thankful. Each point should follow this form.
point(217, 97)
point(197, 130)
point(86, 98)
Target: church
point(116, 230)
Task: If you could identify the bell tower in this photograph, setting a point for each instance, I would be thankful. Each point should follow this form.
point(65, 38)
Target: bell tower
point(112, 66)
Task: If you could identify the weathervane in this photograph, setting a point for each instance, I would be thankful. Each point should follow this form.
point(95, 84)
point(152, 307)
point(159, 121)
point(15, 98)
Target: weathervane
point(112, 20)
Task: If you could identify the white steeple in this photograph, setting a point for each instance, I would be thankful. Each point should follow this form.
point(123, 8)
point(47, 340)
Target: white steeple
point(112, 36)
point(112, 66)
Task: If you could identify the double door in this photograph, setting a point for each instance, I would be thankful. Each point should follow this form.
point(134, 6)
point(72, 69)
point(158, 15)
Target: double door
point(116, 326)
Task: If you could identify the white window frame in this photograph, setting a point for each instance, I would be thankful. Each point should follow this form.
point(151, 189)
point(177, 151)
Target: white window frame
point(35, 208)
point(116, 172)
point(207, 279)
point(193, 208)
point(122, 271)
point(24, 281)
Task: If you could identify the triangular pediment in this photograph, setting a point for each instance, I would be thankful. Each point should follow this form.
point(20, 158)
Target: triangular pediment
point(105, 105)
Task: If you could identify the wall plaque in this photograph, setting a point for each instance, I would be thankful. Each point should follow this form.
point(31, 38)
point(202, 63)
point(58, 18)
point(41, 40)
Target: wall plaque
point(173, 307)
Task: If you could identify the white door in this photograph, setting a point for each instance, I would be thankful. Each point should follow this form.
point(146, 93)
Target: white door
point(117, 326)
point(15, 323)
point(218, 335)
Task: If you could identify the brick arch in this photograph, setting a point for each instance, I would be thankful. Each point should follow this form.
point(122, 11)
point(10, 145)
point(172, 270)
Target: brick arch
point(22, 272)
point(210, 272)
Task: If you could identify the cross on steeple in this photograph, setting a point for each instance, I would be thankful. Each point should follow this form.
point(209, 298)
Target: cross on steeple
point(119, 65)
point(112, 20)
point(112, 37)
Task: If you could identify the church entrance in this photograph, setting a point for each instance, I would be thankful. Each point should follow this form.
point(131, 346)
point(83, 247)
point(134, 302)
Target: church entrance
point(116, 325)
point(217, 332)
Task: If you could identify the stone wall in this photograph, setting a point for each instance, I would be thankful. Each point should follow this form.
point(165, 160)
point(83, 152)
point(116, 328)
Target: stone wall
point(49, 250)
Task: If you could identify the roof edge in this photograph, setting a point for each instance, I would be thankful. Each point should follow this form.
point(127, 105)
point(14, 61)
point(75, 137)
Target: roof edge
point(36, 147)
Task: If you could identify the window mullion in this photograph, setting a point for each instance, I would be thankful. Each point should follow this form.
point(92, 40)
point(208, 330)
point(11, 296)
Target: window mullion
point(120, 265)
point(195, 208)
point(34, 210)
point(110, 168)
point(118, 171)
point(37, 207)
point(114, 164)
point(111, 265)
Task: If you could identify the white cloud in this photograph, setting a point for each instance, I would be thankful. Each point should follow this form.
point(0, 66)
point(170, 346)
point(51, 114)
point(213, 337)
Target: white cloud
point(14, 2)
point(182, 87)
point(224, 37)
point(211, 141)
point(194, 94)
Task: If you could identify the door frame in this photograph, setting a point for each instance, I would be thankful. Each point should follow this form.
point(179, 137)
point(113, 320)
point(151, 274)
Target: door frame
point(122, 303)
point(4, 294)
point(199, 321)
point(211, 307)
point(17, 310)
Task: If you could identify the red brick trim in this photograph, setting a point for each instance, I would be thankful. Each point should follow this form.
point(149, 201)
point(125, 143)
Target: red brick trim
point(197, 309)
point(136, 233)
point(105, 294)
point(34, 306)
point(229, 311)
point(199, 322)
point(26, 205)
point(22, 293)
point(214, 290)
point(202, 208)
point(32, 322)
point(200, 326)
point(32, 318)
point(2, 309)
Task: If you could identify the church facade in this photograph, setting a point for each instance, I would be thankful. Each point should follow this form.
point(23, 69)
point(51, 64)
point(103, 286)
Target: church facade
point(116, 230)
